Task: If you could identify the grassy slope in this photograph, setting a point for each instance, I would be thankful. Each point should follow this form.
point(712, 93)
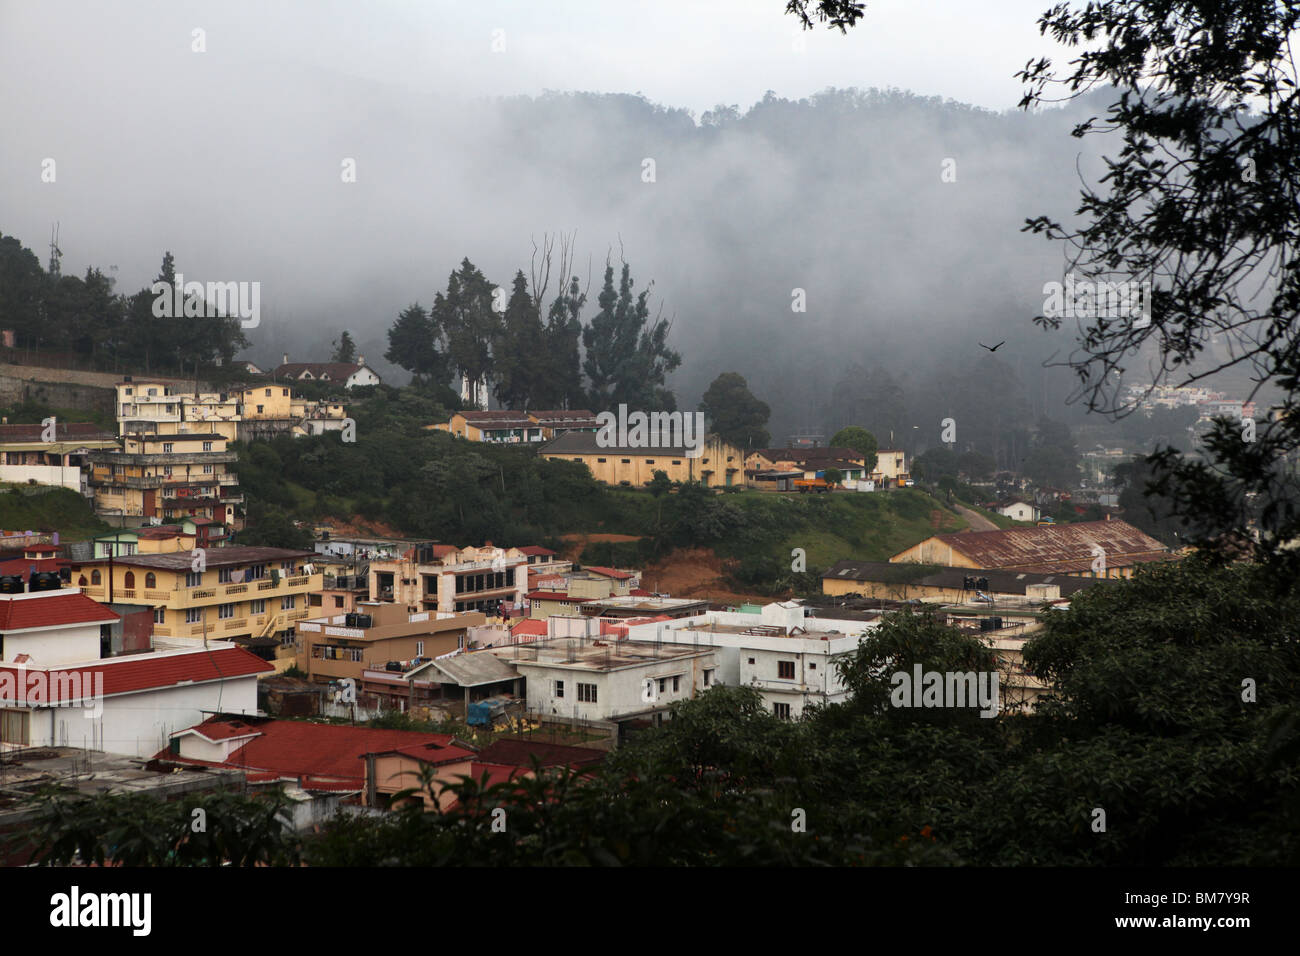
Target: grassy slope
point(57, 509)
point(866, 526)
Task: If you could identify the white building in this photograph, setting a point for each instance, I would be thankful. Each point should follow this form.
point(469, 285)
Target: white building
point(788, 657)
point(56, 689)
point(608, 679)
point(1019, 511)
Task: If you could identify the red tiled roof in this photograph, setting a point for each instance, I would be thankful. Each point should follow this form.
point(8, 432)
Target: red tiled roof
point(607, 572)
point(536, 549)
point(324, 756)
point(23, 565)
point(529, 625)
point(58, 608)
point(124, 675)
point(519, 753)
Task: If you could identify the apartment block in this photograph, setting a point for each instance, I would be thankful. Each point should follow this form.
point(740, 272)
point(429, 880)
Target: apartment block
point(342, 646)
point(156, 478)
point(252, 596)
point(440, 577)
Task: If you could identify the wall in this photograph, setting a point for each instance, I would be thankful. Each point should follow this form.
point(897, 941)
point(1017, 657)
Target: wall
point(51, 648)
point(139, 725)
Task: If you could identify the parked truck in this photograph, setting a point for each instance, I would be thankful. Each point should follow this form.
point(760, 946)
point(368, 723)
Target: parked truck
point(805, 485)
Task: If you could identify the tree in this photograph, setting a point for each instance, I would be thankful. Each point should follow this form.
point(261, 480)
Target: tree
point(415, 343)
point(860, 440)
point(1053, 460)
point(628, 358)
point(471, 324)
point(1200, 205)
point(345, 350)
point(521, 359)
point(734, 413)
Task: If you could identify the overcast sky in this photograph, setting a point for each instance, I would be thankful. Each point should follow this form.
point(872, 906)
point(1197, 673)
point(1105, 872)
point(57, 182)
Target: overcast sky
point(679, 52)
point(231, 159)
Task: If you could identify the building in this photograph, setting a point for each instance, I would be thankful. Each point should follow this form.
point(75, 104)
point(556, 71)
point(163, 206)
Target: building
point(607, 680)
point(185, 535)
point(442, 577)
point(28, 458)
point(769, 467)
point(561, 593)
point(270, 410)
point(347, 374)
point(1110, 549)
point(342, 646)
point(517, 427)
point(328, 762)
point(642, 604)
point(59, 687)
point(904, 582)
point(241, 414)
point(788, 657)
point(252, 596)
point(157, 478)
point(1018, 510)
point(718, 464)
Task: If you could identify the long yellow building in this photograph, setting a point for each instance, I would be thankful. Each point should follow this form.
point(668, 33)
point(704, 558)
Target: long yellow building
point(253, 596)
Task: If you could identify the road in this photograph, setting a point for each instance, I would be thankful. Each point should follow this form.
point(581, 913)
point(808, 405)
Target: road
point(977, 521)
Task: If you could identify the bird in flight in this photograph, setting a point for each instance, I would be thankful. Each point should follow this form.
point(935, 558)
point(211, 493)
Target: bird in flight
point(993, 348)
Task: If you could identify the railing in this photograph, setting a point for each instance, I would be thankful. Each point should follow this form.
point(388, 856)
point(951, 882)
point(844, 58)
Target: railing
point(236, 589)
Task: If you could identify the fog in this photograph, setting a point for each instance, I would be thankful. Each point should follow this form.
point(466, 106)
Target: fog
point(233, 158)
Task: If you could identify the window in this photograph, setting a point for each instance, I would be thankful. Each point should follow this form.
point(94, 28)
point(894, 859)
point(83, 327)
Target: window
point(601, 461)
point(150, 580)
point(207, 446)
point(286, 602)
point(284, 391)
point(785, 670)
point(419, 648)
point(159, 615)
point(626, 461)
point(94, 578)
point(259, 409)
point(225, 611)
point(677, 461)
point(559, 688)
point(193, 578)
point(751, 660)
point(782, 711)
point(663, 684)
point(313, 600)
point(708, 678)
point(649, 461)
point(128, 581)
point(193, 615)
point(812, 667)
point(257, 607)
point(224, 575)
point(15, 727)
point(268, 393)
point(207, 469)
point(338, 600)
point(587, 693)
point(167, 448)
point(677, 683)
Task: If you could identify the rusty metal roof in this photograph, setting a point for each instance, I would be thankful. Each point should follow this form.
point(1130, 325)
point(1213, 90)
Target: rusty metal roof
point(1059, 548)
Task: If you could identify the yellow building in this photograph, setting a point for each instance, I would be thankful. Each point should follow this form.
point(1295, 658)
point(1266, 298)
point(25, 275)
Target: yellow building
point(253, 596)
point(168, 477)
point(719, 463)
point(517, 427)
